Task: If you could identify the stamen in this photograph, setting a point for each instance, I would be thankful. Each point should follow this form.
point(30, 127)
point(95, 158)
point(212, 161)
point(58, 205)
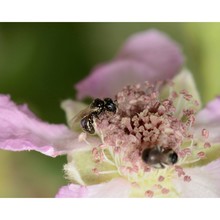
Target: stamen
point(106, 159)
point(147, 169)
point(82, 137)
point(196, 103)
point(179, 171)
point(117, 150)
point(97, 155)
point(207, 145)
point(157, 186)
point(161, 179)
point(145, 121)
point(179, 104)
point(174, 95)
point(187, 178)
point(190, 161)
point(95, 171)
point(186, 95)
point(201, 154)
point(165, 191)
point(108, 172)
point(185, 152)
point(135, 185)
point(205, 133)
point(149, 193)
point(103, 146)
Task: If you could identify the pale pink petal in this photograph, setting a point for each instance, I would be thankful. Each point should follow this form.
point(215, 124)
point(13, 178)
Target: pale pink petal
point(149, 55)
point(205, 182)
point(209, 119)
point(155, 49)
point(72, 191)
point(21, 130)
point(116, 188)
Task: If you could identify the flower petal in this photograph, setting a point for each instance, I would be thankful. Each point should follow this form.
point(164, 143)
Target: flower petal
point(116, 188)
point(183, 81)
point(21, 130)
point(209, 118)
point(72, 108)
point(210, 112)
point(156, 50)
point(149, 55)
point(205, 182)
point(81, 167)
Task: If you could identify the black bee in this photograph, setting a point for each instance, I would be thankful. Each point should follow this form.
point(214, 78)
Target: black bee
point(159, 157)
point(97, 107)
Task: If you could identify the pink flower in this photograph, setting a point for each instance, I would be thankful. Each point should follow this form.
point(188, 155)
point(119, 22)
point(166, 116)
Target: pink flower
point(159, 113)
point(147, 56)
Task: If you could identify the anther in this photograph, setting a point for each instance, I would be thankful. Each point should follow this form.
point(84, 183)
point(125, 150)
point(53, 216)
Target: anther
point(160, 178)
point(205, 133)
point(149, 193)
point(165, 191)
point(187, 178)
point(207, 145)
point(201, 155)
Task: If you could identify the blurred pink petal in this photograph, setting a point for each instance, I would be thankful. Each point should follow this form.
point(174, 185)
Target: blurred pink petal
point(205, 182)
point(149, 55)
point(116, 188)
point(155, 49)
point(209, 118)
point(21, 130)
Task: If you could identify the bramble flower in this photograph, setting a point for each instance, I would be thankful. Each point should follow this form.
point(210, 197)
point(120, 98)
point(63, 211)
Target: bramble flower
point(155, 107)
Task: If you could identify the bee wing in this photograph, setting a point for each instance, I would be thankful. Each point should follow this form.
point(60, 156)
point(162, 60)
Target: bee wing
point(75, 121)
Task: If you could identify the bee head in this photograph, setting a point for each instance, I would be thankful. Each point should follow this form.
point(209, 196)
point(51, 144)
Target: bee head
point(110, 105)
point(172, 157)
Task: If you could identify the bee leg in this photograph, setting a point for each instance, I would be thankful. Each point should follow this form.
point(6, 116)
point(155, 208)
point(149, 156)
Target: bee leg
point(158, 166)
point(94, 114)
point(162, 166)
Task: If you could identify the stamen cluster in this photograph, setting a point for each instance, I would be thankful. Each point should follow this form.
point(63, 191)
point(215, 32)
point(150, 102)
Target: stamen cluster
point(145, 120)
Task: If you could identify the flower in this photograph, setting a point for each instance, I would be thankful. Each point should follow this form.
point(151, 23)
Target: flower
point(158, 113)
point(162, 114)
point(148, 55)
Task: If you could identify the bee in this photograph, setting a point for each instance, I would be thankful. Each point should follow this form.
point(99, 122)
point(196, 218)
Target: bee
point(158, 157)
point(97, 107)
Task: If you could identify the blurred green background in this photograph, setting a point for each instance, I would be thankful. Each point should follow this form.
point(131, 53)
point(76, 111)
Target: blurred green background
point(40, 62)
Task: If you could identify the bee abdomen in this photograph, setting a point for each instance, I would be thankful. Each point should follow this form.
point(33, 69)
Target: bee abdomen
point(87, 124)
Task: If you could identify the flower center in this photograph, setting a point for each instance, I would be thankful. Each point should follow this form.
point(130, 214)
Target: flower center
point(143, 122)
